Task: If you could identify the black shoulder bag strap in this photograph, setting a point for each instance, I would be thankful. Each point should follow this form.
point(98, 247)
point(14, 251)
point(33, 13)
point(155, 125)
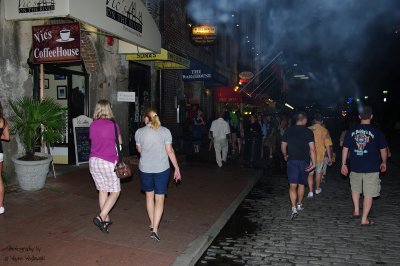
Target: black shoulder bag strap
point(117, 142)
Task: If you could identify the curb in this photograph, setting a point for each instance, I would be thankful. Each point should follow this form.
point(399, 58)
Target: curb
point(198, 246)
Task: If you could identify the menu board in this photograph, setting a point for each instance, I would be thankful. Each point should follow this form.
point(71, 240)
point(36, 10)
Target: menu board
point(81, 126)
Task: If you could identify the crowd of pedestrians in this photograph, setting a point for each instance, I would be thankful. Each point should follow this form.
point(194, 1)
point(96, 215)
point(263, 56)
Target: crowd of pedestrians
point(304, 149)
point(308, 151)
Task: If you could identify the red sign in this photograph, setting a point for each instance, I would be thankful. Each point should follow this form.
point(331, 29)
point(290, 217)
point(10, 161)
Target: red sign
point(227, 95)
point(56, 43)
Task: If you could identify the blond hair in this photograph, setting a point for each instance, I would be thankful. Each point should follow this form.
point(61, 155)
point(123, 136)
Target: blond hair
point(103, 110)
point(153, 117)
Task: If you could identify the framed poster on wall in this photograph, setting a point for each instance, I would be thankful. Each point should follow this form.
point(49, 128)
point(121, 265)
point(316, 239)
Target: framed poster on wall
point(61, 92)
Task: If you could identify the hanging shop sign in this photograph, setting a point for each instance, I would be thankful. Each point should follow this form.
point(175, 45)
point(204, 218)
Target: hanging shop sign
point(56, 43)
point(204, 35)
point(128, 20)
point(246, 75)
point(163, 60)
point(227, 95)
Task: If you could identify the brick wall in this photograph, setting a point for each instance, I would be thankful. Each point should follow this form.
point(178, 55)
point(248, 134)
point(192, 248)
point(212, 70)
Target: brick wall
point(88, 53)
point(176, 38)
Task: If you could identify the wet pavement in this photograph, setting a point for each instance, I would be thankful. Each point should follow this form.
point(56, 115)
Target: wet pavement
point(261, 232)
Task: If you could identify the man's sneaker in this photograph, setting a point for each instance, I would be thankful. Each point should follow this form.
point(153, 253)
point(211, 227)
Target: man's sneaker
point(318, 190)
point(300, 207)
point(294, 213)
point(310, 194)
point(2, 210)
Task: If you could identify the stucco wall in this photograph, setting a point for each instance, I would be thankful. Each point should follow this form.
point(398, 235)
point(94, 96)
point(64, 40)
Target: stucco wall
point(108, 73)
point(15, 80)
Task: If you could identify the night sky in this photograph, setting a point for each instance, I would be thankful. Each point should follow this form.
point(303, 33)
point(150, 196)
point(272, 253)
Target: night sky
point(348, 48)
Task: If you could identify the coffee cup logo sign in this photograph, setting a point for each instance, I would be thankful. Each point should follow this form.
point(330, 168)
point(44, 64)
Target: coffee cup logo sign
point(56, 43)
point(65, 36)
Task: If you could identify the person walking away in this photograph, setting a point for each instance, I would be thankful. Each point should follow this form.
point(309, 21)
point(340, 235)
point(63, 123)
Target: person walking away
point(220, 132)
point(4, 136)
point(297, 147)
point(263, 126)
point(271, 140)
point(254, 128)
point(367, 150)
point(282, 128)
point(198, 123)
point(265, 133)
point(154, 143)
point(235, 131)
point(239, 132)
point(102, 160)
point(323, 143)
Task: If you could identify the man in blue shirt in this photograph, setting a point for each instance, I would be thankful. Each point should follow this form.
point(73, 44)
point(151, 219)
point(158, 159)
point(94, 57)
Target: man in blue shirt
point(366, 148)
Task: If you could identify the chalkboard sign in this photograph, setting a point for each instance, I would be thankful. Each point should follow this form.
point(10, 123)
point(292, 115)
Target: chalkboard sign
point(81, 126)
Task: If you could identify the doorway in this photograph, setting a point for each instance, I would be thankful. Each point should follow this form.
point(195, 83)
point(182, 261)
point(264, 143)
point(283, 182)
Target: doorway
point(68, 84)
point(140, 83)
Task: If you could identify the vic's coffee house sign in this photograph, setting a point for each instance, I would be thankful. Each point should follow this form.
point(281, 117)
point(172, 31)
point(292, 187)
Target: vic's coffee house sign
point(56, 43)
point(126, 14)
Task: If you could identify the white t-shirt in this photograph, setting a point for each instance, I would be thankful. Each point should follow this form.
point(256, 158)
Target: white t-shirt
point(220, 128)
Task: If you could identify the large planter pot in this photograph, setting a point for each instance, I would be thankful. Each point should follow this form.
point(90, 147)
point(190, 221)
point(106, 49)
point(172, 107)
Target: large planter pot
point(31, 175)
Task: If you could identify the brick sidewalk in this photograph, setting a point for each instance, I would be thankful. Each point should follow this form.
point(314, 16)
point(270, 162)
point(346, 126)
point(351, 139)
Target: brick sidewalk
point(55, 226)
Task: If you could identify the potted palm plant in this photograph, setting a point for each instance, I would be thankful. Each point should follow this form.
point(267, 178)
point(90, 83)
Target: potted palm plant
point(35, 122)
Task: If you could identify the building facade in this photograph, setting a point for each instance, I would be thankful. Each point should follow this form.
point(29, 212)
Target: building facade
point(104, 71)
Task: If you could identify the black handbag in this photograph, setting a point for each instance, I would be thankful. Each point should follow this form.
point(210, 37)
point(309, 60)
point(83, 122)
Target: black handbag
point(123, 168)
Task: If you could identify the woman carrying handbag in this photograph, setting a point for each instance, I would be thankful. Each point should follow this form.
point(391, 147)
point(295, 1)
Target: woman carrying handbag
point(102, 161)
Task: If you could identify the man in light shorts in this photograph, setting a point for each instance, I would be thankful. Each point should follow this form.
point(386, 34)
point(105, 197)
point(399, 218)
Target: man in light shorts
point(323, 144)
point(367, 150)
point(221, 132)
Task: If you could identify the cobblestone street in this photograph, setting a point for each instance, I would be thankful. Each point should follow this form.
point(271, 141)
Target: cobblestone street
point(261, 232)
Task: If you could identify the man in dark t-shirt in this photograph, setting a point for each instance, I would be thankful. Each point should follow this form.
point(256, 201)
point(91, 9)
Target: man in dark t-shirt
point(297, 147)
point(367, 151)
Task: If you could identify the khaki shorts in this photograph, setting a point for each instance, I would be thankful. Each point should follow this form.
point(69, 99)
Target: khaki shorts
point(319, 167)
point(367, 183)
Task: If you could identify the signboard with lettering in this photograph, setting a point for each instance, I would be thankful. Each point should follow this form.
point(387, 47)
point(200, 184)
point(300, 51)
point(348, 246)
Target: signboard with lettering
point(35, 9)
point(56, 43)
point(126, 96)
point(81, 126)
point(197, 72)
point(163, 60)
point(129, 20)
point(205, 35)
point(227, 95)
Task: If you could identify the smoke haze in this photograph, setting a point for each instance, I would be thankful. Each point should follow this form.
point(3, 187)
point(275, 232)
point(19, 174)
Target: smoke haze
point(329, 40)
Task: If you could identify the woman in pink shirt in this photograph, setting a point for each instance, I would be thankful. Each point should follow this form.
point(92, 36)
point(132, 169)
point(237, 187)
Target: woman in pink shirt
point(102, 160)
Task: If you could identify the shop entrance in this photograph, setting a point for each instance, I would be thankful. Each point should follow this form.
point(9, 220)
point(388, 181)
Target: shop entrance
point(68, 84)
point(140, 83)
